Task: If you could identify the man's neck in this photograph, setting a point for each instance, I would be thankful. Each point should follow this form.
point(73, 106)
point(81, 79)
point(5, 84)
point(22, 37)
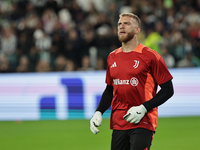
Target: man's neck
point(130, 45)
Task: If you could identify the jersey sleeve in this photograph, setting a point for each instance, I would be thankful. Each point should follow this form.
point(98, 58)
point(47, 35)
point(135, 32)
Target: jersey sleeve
point(108, 76)
point(159, 69)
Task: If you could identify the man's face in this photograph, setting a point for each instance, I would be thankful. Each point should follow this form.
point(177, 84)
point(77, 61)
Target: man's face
point(127, 28)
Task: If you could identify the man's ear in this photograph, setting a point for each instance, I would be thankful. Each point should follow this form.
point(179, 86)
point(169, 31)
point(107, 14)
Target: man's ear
point(137, 30)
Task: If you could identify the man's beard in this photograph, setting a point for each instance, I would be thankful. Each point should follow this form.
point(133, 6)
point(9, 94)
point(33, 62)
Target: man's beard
point(126, 38)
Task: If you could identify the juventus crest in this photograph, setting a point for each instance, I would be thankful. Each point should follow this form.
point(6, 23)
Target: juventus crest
point(136, 63)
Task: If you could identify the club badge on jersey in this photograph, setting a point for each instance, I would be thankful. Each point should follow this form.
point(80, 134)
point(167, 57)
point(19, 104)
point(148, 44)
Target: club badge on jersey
point(136, 63)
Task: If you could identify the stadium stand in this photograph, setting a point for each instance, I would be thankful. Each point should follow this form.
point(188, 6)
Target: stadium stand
point(59, 35)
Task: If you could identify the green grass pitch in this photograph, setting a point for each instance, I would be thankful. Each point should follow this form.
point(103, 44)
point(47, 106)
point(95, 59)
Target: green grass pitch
point(181, 133)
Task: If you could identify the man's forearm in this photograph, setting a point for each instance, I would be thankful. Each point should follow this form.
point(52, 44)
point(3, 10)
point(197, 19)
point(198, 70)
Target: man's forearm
point(106, 99)
point(162, 96)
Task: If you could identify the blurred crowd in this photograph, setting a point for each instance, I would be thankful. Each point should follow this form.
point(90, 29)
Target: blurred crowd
point(78, 35)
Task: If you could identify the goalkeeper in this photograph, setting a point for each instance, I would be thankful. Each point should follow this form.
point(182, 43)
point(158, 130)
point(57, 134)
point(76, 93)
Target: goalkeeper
point(133, 74)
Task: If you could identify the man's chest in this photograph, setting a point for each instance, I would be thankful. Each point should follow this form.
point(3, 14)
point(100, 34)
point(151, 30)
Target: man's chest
point(127, 66)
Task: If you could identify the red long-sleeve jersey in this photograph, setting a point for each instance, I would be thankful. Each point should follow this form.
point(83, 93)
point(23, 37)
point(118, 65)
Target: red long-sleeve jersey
point(135, 77)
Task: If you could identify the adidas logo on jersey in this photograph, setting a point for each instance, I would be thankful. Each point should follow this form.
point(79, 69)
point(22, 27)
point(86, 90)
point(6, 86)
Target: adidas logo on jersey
point(114, 65)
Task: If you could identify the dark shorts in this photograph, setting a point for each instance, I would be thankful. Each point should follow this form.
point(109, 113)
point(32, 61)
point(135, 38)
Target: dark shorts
point(133, 139)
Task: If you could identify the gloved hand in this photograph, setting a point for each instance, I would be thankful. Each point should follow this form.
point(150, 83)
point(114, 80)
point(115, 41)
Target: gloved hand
point(135, 114)
point(96, 122)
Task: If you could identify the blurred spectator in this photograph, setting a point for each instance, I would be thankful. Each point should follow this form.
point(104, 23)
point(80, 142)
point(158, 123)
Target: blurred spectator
point(52, 4)
point(9, 44)
point(100, 64)
point(113, 13)
point(192, 17)
point(6, 8)
point(42, 40)
point(169, 59)
point(170, 18)
point(155, 37)
point(102, 40)
point(24, 65)
point(70, 66)
point(159, 11)
point(43, 43)
point(34, 57)
point(88, 41)
point(49, 19)
point(32, 20)
point(186, 61)
point(78, 15)
point(73, 46)
point(115, 43)
point(182, 13)
point(177, 45)
point(153, 40)
point(98, 4)
point(60, 63)
point(43, 66)
point(24, 44)
point(8, 39)
point(65, 19)
point(196, 61)
point(85, 64)
point(92, 15)
point(4, 64)
point(194, 33)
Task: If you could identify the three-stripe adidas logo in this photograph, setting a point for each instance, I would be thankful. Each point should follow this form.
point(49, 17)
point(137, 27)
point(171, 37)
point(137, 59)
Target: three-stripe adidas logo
point(114, 65)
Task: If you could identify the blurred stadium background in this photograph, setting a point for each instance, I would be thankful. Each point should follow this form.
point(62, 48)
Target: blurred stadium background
point(52, 70)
